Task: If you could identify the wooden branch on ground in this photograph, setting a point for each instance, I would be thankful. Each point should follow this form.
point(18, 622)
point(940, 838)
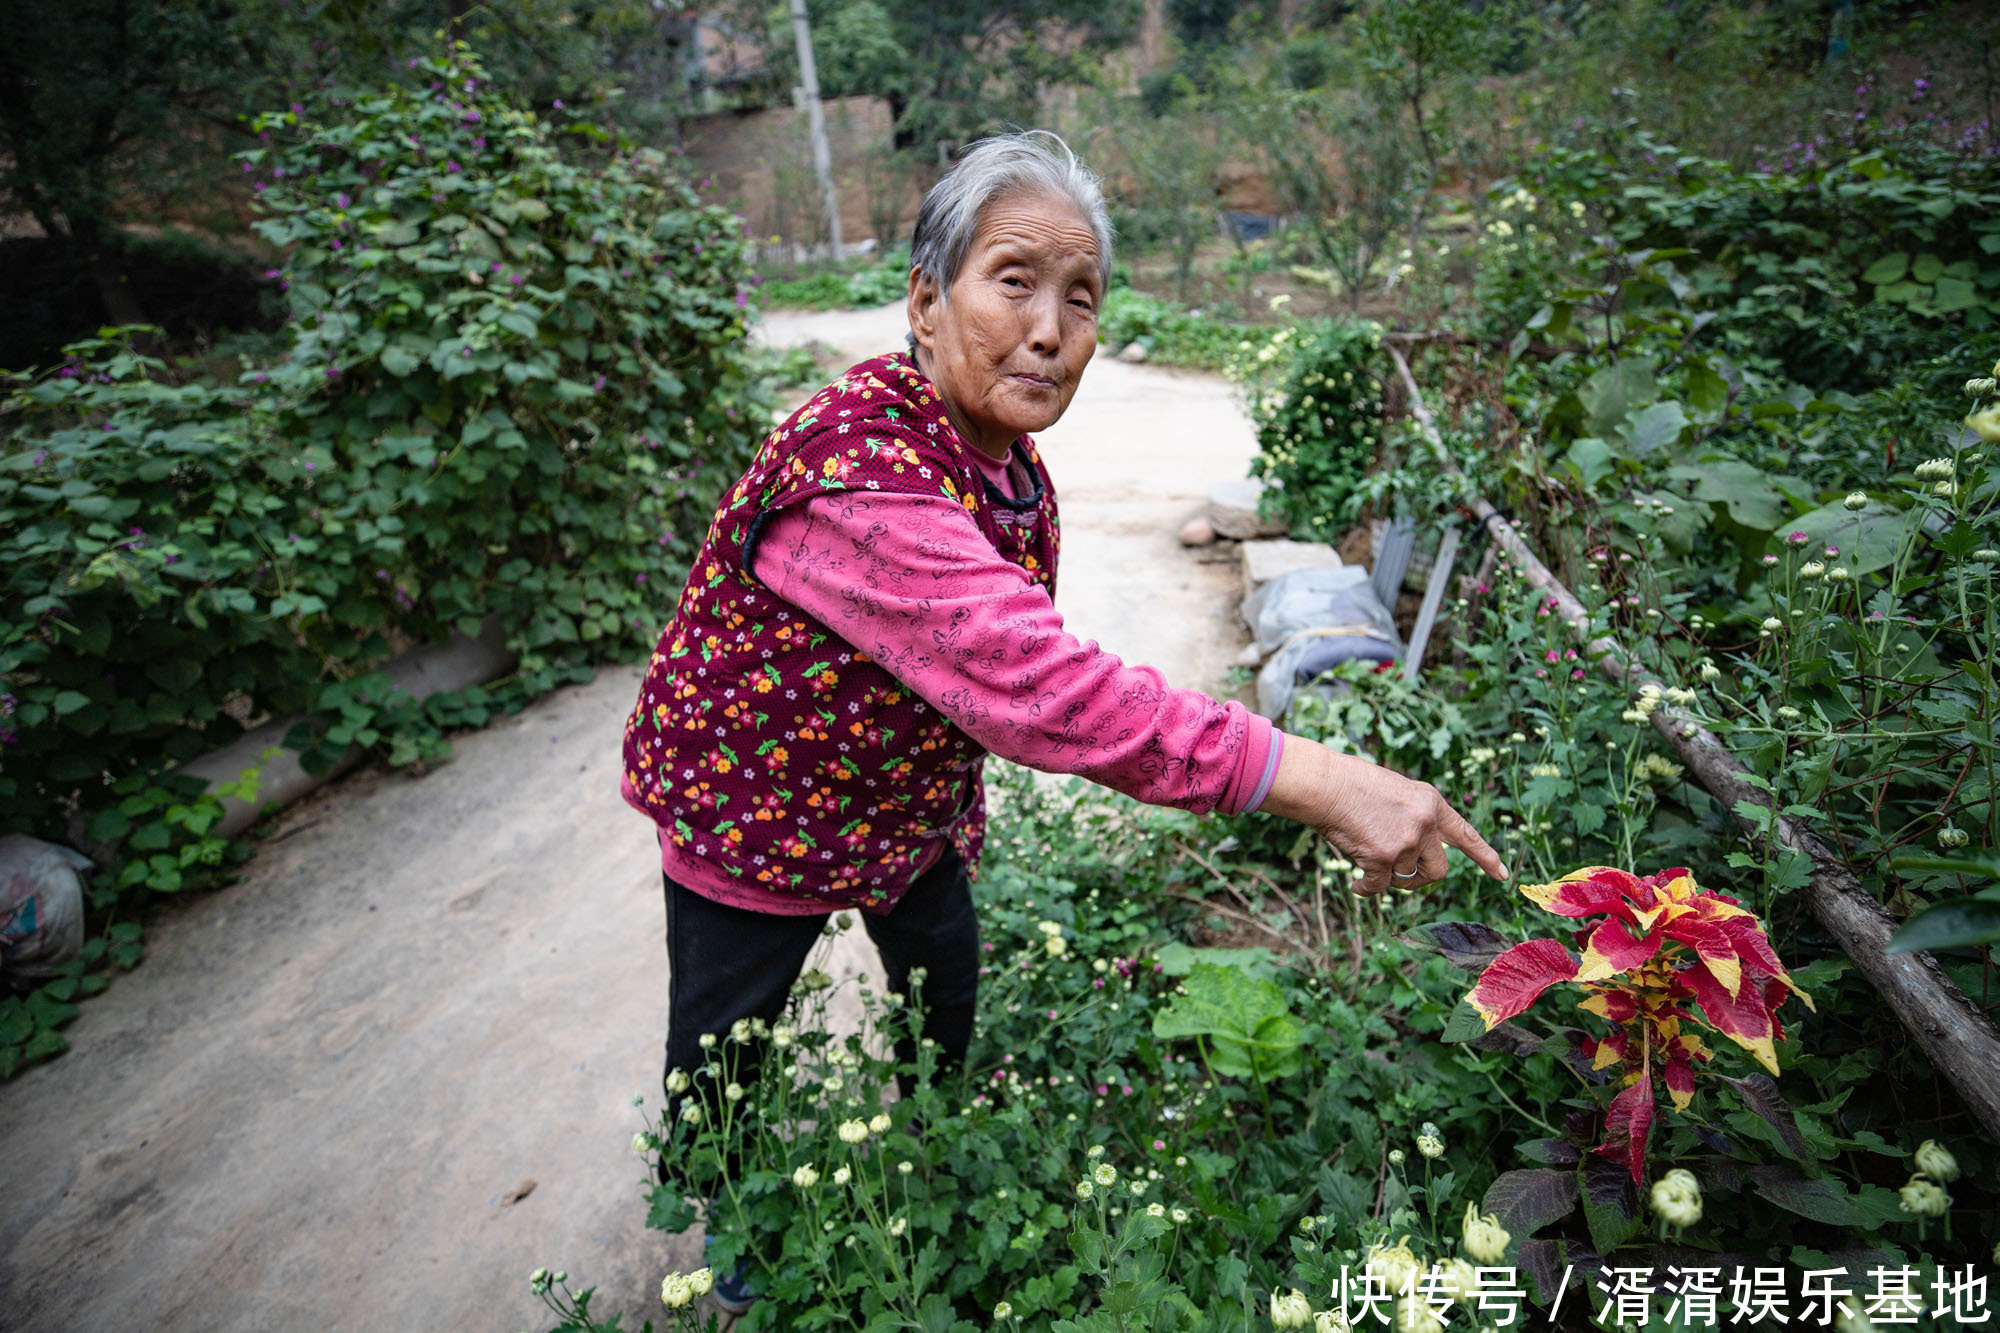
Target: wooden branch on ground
point(1961, 1042)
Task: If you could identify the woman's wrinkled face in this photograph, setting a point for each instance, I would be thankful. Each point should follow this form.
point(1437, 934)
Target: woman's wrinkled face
point(1007, 349)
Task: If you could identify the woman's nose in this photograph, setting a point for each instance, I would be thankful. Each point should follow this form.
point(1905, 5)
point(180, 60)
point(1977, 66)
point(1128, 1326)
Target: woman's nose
point(1045, 324)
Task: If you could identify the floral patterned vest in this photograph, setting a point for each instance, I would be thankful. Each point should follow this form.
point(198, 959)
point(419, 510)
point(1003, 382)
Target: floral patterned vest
point(765, 744)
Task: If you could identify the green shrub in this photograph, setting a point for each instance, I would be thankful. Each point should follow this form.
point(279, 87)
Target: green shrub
point(1172, 334)
point(1316, 401)
point(873, 284)
point(515, 382)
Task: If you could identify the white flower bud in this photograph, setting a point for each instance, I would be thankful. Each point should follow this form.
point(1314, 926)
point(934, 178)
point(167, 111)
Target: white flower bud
point(1290, 1309)
point(675, 1291)
point(1924, 1197)
point(1483, 1237)
point(880, 1123)
point(1856, 500)
point(1936, 1161)
point(852, 1131)
point(805, 1177)
point(1677, 1198)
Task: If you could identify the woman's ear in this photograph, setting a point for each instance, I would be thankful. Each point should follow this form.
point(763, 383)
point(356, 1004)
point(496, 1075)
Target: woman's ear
point(921, 307)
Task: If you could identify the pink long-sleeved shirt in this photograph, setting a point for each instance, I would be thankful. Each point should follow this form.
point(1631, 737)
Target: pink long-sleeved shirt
point(895, 574)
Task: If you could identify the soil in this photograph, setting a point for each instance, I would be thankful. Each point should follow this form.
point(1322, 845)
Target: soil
point(376, 1082)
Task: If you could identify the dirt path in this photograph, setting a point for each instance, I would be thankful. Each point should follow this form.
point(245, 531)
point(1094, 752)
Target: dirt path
point(374, 1084)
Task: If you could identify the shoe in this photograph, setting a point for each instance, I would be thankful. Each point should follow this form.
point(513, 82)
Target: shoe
point(732, 1293)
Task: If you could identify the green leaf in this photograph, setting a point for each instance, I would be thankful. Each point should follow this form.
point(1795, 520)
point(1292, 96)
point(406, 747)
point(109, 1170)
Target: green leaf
point(1651, 429)
point(1949, 925)
point(1614, 392)
point(399, 361)
point(69, 701)
point(1868, 539)
point(1591, 460)
point(1252, 1032)
point(1889, 268)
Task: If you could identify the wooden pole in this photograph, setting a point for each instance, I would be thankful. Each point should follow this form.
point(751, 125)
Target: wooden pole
point(1961, 1042)
point(816, 124)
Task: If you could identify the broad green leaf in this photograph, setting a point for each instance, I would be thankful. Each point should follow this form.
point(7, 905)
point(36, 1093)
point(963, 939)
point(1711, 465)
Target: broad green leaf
point(1949, 925)
point(1652, 428)
point(1251, 1032)
point(1614, 392)
point(1887, 269)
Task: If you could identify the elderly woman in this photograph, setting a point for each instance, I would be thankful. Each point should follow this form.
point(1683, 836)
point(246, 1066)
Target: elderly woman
point(872, 614)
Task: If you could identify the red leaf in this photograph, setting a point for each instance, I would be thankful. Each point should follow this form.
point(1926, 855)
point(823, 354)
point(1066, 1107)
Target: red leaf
point(1517, 978)
point(1743, 1018)
point(1680, 1080)
point(1612, 950)
point(1627, 1125)
point(1585, 892)
point(1752, 946)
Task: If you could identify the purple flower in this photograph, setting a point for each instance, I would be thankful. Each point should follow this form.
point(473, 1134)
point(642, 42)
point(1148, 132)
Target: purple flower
point(1797, 539)
point(453, 166)
point(274, 273)
point(309, 466)
point(597, 385)
point(638, 578)
point(69, 372)
point(471, 116)
point(336, 242)
point(42, 456)
point(340, 200)
point(559, 105)
point(480, 142)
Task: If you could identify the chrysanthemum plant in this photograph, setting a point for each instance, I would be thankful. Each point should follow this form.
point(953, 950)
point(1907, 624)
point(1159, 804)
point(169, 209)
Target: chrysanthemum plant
point(1660, 956)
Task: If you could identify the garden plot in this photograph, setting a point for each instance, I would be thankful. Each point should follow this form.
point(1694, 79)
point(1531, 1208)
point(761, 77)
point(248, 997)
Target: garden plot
point(376, 1082)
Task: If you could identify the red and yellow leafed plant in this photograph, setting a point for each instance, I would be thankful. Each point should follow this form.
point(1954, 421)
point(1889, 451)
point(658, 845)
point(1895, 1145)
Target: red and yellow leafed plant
point(1663, 942)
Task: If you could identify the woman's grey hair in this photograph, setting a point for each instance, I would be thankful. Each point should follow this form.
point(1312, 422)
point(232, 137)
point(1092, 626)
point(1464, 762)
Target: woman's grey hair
point(1027, 162)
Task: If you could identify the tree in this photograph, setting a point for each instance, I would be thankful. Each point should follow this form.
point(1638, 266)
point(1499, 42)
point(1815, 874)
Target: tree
point(950, 72)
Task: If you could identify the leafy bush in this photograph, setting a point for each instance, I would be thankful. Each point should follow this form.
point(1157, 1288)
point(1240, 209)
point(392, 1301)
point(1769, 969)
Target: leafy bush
point(873, 284)
point(515, 381)
point(1316, 400)
point(1171, 333)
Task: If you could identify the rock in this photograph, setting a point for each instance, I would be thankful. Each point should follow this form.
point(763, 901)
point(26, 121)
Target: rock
point(1232, 510)
point(1197, 531)
point(1249, 655)
point(1133, 353)
point(1265, 560)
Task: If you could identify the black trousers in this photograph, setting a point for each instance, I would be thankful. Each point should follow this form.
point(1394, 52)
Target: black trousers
point(727, 963)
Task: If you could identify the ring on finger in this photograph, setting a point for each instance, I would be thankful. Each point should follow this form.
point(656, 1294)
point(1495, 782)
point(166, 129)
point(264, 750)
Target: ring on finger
point(1401, 874)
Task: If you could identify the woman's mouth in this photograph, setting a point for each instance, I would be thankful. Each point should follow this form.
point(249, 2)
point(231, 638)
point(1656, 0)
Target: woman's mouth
point(1037, 381)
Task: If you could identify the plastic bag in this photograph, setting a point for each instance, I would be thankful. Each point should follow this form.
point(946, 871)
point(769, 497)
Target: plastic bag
point(41, 906)
point(1311, 620)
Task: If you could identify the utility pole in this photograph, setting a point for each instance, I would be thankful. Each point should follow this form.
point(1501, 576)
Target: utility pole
point(816, 124)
